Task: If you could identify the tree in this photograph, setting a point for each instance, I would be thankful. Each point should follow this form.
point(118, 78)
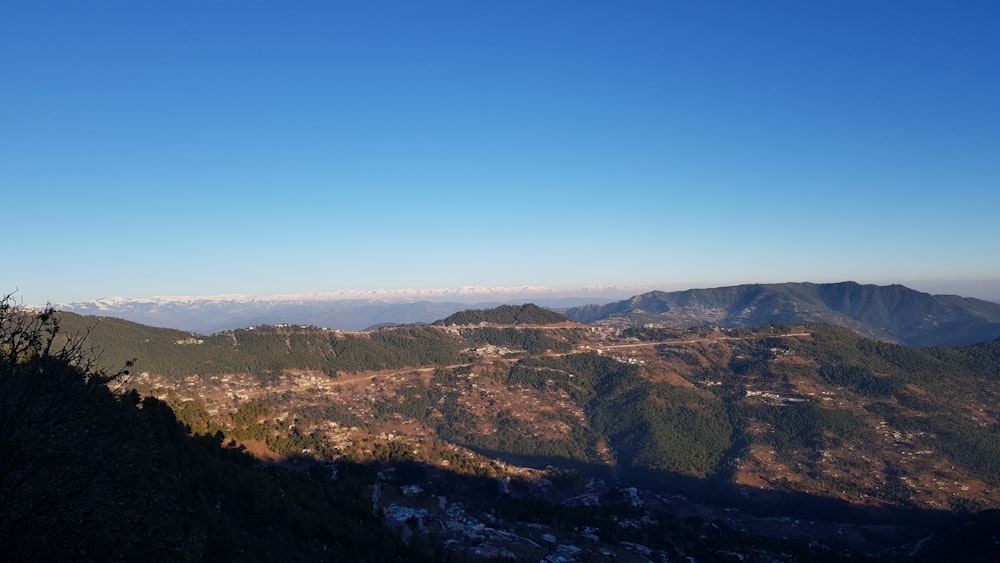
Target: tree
point(50, 392)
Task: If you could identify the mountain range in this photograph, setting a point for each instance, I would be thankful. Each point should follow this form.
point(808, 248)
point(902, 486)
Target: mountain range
point(891, 313)
point(343, 310)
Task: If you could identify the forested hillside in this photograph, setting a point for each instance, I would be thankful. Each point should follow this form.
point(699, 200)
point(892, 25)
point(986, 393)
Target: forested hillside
point(261, 349)
point(527, 314)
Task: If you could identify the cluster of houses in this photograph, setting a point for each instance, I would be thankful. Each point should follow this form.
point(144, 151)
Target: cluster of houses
point(411, 510)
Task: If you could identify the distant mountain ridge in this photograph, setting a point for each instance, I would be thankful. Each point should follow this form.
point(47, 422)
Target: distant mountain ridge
point(893, 313)
point(346, 310)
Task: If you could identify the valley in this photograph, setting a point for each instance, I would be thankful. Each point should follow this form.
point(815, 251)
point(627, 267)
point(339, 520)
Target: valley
point(861, 449)
point(515, 432)
point(799, 433)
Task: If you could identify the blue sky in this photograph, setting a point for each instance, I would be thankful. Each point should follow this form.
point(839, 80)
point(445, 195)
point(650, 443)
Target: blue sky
point(192, 148)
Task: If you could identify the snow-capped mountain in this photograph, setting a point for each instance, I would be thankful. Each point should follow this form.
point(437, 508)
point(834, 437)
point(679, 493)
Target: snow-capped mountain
point(344, 309)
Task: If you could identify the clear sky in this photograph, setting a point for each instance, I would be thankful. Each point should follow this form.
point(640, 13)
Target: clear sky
point(192, 148)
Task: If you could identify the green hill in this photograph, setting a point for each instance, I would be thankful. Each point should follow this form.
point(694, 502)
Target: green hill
point(527, 314)
point(261, 349)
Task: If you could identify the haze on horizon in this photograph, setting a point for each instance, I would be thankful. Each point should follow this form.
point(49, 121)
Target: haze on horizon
point(187, 148)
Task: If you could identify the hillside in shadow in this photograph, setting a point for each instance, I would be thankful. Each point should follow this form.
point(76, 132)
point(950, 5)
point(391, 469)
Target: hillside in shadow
point(665, 516)
point(87, 474)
